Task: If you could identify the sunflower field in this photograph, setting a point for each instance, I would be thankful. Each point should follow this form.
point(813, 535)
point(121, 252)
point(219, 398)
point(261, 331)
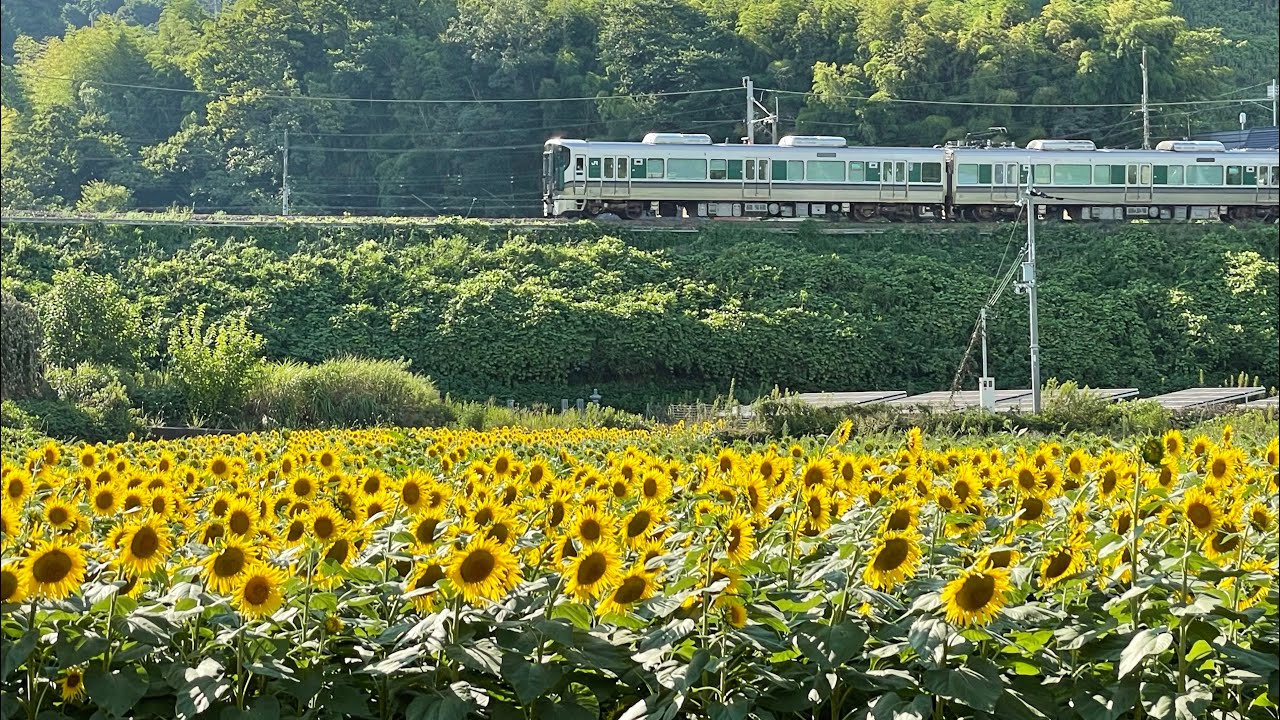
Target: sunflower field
point(578, 574)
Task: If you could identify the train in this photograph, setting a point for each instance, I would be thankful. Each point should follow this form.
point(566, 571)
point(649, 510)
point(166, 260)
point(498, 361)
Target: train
point(683, 175)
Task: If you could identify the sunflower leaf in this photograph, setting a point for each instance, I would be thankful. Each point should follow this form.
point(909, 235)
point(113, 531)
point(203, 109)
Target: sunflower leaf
point(1144, 644)
point(976, 684)
point(530, 680)
point(116, 692)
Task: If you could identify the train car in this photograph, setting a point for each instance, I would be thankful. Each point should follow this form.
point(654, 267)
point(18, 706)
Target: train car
point(1179, 180)
point(679, 175)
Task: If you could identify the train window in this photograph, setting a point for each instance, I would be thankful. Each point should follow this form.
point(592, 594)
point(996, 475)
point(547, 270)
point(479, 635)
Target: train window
point(1131, 177)
point(622, 168)
point(1234, 175)
point(1071, 174)
point(913, 173)
point(637, 168)
point(735, 169)
point(857, 171)
point(1204, 174)
point(779, 170)
point(686, 169)
point(932, 172)
point(719, 169)
point(1250, 177)
point(593, 168)
point(1161, 176)
point(751, 169)
point(967, 174)
point(608, 168)
point(654, 168)
point(873, 172)
point(1144, 174)
point(984, 174)
point(1022, 175)
point(826, 171)
point(578, 166)
point(795, 169)
point(999, 174)
point(1175, 174)
point(1101, 174)
point(1044, 174)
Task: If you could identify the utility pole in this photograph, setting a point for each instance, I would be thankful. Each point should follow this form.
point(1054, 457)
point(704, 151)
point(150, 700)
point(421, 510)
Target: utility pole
point(986, 383)
point(284, 190)
point(1029, 284)
point(1146, 115)
point(1271, 95)
point(777, 114)
point(751, 109)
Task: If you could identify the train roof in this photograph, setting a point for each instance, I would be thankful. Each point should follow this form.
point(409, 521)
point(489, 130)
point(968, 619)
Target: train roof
point(742, 150)
point(1174, 156)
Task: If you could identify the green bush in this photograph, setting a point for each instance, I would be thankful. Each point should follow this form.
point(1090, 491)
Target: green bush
point(99, 196)
point(92, 404)
point(86, 318)
point(20, 339)
point(215, 366)
point(486, 416)
point(345, 392)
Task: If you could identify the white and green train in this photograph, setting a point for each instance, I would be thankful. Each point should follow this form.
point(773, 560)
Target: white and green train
point(678, 175)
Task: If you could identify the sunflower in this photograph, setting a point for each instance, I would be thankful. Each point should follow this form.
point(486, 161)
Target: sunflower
point(17, 486)
point(72, 684)
point(903, 515)
point(424, 586)
point(54, 569)
point(976, 596)
point(220, 466)
point(1221, 466)
point(88, 457)
point(756, 495)
point(592, 571)
point(483, 570)
point(1223, 541)
point(1260, 517)
point(727, 461)
point(325, 523)
point(635, 586)
point(381, 506)
point(639, 525)
point(591, 527)
point(733, 610)
point(425, 527)
point(817, 472)
point(1201, 510)
point(1061, 563)
point(655, 486)
point(1173, 444)
point(60, 514)
point(13, 583)
point(303, 487)
point(1031, 509)
point(740, 538)
point(1272, 453)
point(1026, 477)
point(227, 566)
point(817, 510)
point(894, 559)
point(1000, 556)
point(261, 591)
point(242, 518)
point(144, 545)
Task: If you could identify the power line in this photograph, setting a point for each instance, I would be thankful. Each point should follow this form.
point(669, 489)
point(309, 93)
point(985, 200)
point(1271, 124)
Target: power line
point(405, 101)
point(1011, 105)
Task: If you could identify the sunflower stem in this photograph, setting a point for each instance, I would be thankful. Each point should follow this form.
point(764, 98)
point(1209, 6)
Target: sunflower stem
point(306, 597)
point(111, 616)
point(1185, 601)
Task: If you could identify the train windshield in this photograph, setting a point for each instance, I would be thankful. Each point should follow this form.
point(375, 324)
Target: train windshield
point(555, 159)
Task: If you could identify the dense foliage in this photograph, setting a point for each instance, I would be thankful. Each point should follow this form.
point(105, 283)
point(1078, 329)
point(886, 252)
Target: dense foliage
point(540, 315)
point(153, 103)
point(620, 574)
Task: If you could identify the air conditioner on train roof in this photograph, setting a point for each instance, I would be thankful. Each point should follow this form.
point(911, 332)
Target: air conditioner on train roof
point(812, 141)
point(1061, 145)
point(1191, 146)
point(657, 138)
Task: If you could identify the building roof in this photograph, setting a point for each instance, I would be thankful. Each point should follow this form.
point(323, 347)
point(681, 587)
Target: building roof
point(1255, 138)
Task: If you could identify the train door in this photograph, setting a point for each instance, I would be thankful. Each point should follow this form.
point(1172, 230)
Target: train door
point(617, 179)
point(580, 174)
point(893, 180)
point(1004, 183)
point(757, 180)
point(1137, 183)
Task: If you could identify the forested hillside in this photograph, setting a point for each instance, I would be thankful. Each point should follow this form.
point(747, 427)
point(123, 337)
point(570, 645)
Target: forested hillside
point(440, 106)
point(547, 314)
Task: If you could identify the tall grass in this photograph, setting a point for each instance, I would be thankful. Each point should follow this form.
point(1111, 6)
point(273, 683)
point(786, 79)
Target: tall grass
point(344, 392)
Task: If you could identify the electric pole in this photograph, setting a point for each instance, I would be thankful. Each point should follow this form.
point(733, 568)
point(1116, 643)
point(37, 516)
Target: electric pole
point(1146, 115)
point(751, 109)
point(773, 125)
point(284, 190)
point(1271, 95)
point(1029, 283)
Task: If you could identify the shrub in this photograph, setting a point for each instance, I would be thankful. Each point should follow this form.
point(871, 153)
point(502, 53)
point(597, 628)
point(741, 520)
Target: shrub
point(20, 338)
point(99, 196)
point(345, 392)
point(92, 405)
point(86, 318)
point(215, 366)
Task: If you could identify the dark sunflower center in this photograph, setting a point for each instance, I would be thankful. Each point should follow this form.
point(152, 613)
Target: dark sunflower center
point(1032, 509)
point(557, 514)
point(229, 563)
point(1225, 540)
point(338, 551)
point(426, 530)
point(58, 515)
point(815, 507)
point(302, 488)
point(1200, 515)
point(1058, 564)
point(976, 592)
point(8, 584)
point(500, 532)
point(1000, 558)
point(650, 487)
point(145, 543)
point(213, 532)
point(218, 467)
point(813, 476)
point(296, 528)
point(410, 493)
point(735, 539)
point(592, 568)
point(590, 530)
point(484, 516)
point(639, 523)
point(429, 577)
point(631, 590)
point(477, 566)
point(323, 527)
point(51, 567)
point(257, 590)
point(893, 554)
point(239, 522)
point(899, 519)
point(104, 500)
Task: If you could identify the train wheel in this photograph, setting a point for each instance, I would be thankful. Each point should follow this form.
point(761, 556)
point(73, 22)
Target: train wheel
point(635, 210)
point(984, 213)
point(1237, 214)
point(865, 212)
